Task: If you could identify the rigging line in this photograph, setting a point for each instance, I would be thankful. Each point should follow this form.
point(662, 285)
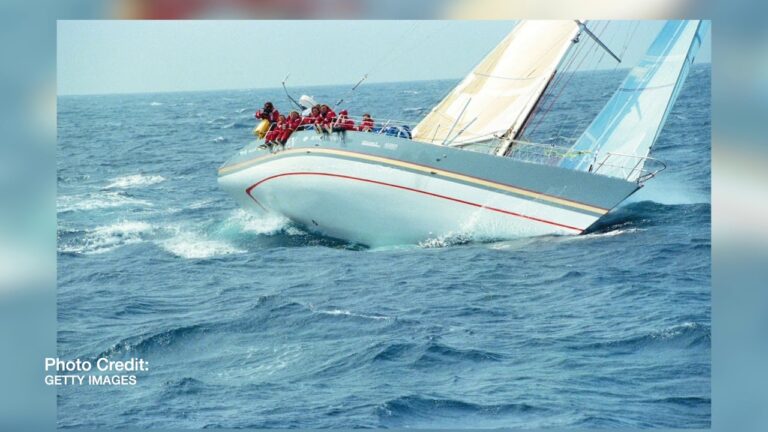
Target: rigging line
point(564, 85)
point(298, 105)
point(394, 49)
point(560, 78)
point(602, 54)
point(378, 64)
point(560, 75)
point(630, 36)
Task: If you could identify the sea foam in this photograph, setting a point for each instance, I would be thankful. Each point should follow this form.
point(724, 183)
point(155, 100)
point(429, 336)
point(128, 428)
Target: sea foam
point(134, 180)
point(108, 237)
point(97, 200)
point(193, 245)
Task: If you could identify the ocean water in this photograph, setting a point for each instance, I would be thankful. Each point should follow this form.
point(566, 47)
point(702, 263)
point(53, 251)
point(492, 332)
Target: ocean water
point(255, 322)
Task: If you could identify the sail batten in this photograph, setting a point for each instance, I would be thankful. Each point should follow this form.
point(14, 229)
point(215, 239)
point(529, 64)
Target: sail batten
point(621, 136)
point(505, 87)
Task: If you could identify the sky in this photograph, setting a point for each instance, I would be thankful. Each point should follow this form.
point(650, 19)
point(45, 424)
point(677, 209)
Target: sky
point(107, 57)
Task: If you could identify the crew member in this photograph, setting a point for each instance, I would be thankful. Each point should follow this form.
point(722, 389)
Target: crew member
point(273, 136)
point(366, 125)
point(268, 113)
point(343, 123)
point(327, 116)
point(310, 119)
point(292, 123)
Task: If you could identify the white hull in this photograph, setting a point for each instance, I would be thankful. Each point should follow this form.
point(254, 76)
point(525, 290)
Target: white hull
point(378, 205)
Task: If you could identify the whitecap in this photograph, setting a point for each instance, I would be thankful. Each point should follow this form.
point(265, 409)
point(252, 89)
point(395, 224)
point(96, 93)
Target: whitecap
point(200, 204)
point(611, 233)
point(219, 119)
point(445, 241)
point(109, 237)
point(134, 180)
point(675, 330)
point(94, 201)
point(344, 312)
point(261, 224)
point(192, 245)
point(155, 103)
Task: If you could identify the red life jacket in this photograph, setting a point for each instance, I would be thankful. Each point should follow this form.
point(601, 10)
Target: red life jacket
point(273, 116)
point(328, 117)
point(345, 123)
point(294, 123)
point(366, 123)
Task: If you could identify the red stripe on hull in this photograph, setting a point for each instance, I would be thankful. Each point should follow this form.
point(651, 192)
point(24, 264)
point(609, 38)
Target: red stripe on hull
point(253, 186)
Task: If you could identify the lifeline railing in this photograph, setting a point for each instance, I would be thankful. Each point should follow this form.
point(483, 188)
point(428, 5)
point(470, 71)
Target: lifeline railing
point(612, 164)
point(638, 171)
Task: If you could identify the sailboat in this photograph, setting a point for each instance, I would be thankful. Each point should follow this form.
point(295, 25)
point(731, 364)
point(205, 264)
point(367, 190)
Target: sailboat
point(466, 167)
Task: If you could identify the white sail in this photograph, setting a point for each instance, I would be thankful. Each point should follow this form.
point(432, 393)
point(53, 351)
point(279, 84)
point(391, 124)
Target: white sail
point(500, 92)
point(621, 136)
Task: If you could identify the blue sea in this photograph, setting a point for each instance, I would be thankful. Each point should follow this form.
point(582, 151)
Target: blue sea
point(256, 322)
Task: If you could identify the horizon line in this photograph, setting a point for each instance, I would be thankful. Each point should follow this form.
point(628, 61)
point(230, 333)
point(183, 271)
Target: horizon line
point(150, 92)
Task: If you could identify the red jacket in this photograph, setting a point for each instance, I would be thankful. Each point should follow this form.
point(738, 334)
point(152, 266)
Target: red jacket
point(293, 124)
point(366, 123)
point(328, 117)
point(274, 116)
point(345, 123)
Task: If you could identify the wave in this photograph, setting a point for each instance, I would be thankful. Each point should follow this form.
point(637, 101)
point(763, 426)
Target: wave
point(686, 401)
point(667, 190)
point(447, 240)
point(433, 355)
point(183, 386)
point(412, 410)
point(245, 221)
point(97, 200)
point(685, 335)
point(603, 232)
point(236, 125)
point(347, 313)
point(134, 180)
point(106, 238)
point(472, 230)
point(155, 103)
point(193, 245)
point(219, 119)
point(206, 203)
point(73, 179)
point(639, 215)
point(270, 230)
point(151, 341)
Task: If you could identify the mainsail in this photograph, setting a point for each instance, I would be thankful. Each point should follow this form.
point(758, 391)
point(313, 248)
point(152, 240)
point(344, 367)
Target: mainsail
point(499, 94)
point(619, 139)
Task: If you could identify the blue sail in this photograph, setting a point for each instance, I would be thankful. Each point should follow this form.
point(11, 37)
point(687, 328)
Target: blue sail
point(621, 136)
